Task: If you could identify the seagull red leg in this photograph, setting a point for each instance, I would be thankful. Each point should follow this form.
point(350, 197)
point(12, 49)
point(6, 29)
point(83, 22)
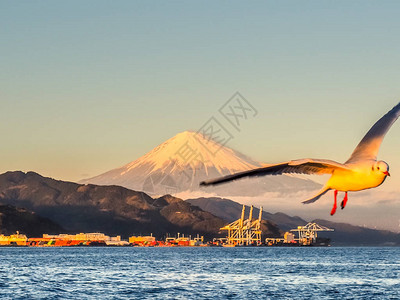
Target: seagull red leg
point(334, 204)
point(343, 204)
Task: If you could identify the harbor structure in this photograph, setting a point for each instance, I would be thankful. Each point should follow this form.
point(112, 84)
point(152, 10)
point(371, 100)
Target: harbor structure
point(183, 240)
point(244, 232)
point(97, 239)
point(307, 235)
point(148, 240)
point(80, 239)
point(13, 239)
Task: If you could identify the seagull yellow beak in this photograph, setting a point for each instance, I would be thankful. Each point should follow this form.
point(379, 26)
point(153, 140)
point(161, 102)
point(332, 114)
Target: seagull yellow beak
point(386, 173)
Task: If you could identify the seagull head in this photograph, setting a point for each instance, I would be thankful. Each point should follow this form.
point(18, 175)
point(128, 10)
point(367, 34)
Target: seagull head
point(381, 167)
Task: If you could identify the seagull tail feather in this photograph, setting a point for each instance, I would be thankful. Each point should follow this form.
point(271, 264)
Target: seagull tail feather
point(323, 191)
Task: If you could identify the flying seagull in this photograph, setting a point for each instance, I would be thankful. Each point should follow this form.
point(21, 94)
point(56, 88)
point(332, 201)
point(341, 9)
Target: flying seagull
point(361, 171)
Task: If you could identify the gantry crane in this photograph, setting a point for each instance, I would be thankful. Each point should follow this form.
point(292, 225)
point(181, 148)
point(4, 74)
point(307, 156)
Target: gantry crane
point(308, 233)
point(244, 232)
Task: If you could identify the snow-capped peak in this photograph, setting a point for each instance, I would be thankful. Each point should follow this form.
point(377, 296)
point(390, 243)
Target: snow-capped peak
point(193, 150)
point(183, 161)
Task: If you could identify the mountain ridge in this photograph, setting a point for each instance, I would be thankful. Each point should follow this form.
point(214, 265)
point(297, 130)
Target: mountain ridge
point(13, 219)
point(111, 209)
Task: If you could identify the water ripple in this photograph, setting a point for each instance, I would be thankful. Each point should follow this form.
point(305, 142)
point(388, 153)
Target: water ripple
point(200, 273)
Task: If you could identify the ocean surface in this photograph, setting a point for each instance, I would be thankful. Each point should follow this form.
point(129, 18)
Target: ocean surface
point(200, 273)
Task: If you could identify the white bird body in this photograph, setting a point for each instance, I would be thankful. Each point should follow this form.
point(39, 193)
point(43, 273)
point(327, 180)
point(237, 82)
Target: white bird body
point(361, 171)
point(360, 177)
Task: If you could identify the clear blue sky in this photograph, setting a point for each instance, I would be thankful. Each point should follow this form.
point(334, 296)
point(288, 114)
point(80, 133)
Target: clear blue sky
point(87, 86)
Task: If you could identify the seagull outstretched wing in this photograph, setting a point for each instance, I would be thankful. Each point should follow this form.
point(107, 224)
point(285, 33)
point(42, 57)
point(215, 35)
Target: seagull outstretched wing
point(368, 148)
point(300, 166)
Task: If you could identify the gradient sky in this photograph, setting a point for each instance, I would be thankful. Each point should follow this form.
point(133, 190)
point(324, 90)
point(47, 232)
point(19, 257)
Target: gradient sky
point(89, 86)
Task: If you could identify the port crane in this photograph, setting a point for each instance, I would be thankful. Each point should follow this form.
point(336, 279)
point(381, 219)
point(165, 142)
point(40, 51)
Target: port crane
point(308, 233)
point(244, 232)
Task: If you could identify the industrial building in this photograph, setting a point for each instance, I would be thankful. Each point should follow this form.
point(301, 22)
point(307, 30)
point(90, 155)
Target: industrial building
point(13, 240)
point(80, 239)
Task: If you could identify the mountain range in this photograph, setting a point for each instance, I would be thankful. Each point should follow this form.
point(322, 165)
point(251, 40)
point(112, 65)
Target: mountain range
point(34, 205)
point(113, 210)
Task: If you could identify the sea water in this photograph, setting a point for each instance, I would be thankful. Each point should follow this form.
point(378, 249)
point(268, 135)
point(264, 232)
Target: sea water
point(200, 273)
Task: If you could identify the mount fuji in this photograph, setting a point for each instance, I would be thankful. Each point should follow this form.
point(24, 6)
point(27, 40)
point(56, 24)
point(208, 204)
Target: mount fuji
point(183, 161)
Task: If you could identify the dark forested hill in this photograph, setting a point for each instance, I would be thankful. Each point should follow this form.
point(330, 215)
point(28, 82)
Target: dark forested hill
point(110, 209)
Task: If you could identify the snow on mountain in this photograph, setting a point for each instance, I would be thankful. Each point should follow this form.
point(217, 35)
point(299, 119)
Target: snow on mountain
point(192, 150)
point(181, 162)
